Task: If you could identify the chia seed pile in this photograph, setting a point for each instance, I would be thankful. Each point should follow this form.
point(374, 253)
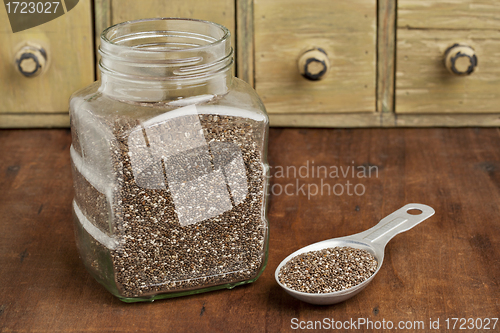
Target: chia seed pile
point(190, 220)
point(328, 270)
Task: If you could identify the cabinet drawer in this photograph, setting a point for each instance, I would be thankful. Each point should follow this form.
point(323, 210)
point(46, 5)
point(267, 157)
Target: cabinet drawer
point(42, 101)
point(426, 31)
point(345, 31)
point(423, 84)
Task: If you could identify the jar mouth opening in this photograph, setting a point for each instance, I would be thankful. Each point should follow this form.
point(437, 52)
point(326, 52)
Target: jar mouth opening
point(160, 35)
point(159, 54)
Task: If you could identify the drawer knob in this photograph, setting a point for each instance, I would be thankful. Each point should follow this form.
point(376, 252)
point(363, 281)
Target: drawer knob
point(314, 64)
point(31, 60)
point(460, 59)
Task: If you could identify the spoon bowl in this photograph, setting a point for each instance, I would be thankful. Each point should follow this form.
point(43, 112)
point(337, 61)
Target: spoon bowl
point(372, 240)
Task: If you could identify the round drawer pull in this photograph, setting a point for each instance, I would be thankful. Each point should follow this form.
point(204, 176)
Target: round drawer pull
point(460, 59)
point(314, 64)
point(31, 60)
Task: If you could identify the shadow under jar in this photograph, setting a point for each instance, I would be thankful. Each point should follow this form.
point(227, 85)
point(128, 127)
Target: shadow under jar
point(169, 164)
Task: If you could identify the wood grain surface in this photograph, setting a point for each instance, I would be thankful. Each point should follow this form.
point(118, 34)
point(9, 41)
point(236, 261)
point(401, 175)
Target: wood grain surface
point(346, 31)
point(218, 11)
point(244, 41)
point(109, 12)
point(102, 20)
point(448, 14)
point(424, 85)
point(384, 119)
point(70, 67)
point(386, 48)
point(448, 266)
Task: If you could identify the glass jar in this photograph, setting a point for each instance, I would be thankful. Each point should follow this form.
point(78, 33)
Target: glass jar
point(169, 163)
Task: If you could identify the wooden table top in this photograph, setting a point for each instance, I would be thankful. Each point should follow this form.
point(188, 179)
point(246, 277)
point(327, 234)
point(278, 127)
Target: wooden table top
point(446, 267)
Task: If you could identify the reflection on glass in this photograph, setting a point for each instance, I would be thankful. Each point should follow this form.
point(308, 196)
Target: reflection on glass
point(205, 178)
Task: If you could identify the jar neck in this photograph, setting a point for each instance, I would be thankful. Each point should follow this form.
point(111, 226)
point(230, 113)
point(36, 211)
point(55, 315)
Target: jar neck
point(165, 60)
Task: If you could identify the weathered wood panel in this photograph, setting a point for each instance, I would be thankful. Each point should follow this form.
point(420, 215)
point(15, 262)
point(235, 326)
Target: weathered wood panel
point(449, 14)
point(284, 29)
point(448, 120)
point(424, 85)
point(245, 45)
point(34, 120)
point(68, 42)
point(218, 11)
point(383, 119)
point(386, 49)
point(102, 20)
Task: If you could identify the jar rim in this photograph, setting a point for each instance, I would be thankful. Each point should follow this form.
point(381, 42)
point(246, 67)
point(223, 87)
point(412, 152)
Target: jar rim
point(225, 36)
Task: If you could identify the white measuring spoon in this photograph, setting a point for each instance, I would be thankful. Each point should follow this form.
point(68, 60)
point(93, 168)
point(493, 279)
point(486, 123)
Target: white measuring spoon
point(372, 240)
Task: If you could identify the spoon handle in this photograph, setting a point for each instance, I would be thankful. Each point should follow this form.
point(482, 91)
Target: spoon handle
point(396, 223)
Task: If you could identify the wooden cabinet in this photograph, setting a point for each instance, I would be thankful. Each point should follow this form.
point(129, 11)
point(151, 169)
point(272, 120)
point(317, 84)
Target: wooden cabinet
point(372, 63)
